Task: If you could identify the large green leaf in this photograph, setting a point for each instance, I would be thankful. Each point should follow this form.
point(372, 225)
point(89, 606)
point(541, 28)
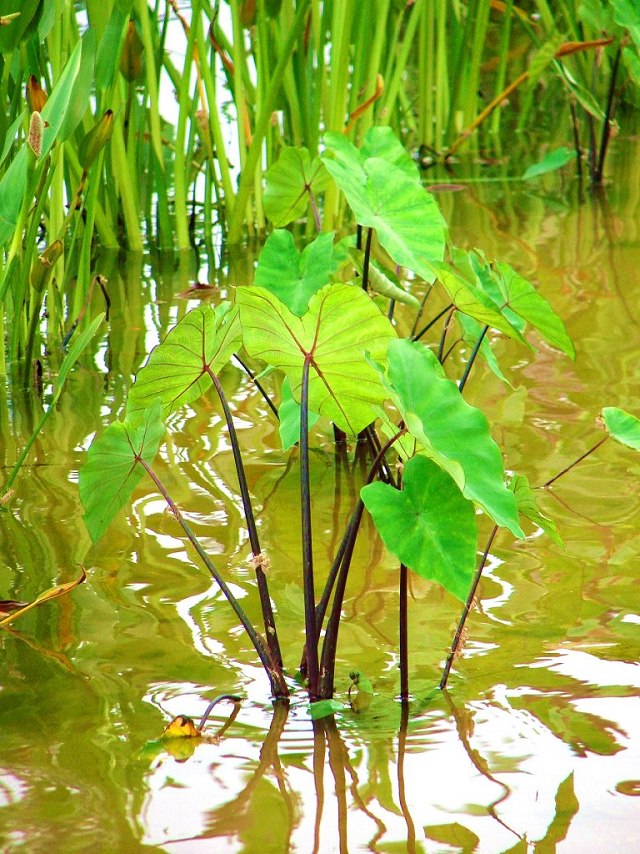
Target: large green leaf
point(294, 276)
point(627, 15)
point(179, 369)
point(453, 434)
point(622, 426)
point(429, 525)
point(341, 324)
point(528, 507)
point(290, 184)
point(113, 470)
point(381, 142)
point(471, 300)
point(383, 196)
point(520, 302)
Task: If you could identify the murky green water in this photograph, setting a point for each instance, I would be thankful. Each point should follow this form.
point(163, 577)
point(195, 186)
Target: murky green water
point(537, 745)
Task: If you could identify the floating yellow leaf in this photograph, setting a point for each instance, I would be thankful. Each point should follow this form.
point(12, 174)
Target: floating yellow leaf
point(52, 593)
point(181, 727)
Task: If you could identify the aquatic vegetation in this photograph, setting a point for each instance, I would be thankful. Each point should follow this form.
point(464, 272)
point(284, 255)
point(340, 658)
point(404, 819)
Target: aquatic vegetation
point(344, 361)
point(89, 152)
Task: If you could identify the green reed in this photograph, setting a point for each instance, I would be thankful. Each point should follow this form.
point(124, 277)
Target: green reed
point(204, 99)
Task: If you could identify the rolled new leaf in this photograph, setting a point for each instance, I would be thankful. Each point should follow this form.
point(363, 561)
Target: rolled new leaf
point(380, 283)
point(95, 140)
point(131, 58)
point(36, 95)
point(43, 265)
point(113, 470)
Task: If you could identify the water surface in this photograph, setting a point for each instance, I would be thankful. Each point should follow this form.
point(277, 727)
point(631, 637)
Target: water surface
point(535, 747)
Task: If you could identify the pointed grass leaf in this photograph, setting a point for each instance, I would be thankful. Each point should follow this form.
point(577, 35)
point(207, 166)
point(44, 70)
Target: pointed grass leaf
point(341, 324)
point(428, 525)
point(291, 275)
point(10, 136)
point(405, 216)
point(551, 162)
point(622, 426)
point(177, 371)
point(453, 434)
point(12, 190)
point(528, 507)
point(74, 352)
point(108, 53)
point(289, 418)
point(47, 596)
point(290, 183)
point(19, 17)
point(112, 470)
point(76, 98)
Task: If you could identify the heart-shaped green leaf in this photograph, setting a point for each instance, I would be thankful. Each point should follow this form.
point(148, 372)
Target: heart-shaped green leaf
point(341, 324)
point(324, 708)
point(112, 470)
point(471, 300)
point(520, 302)
point(552, 161)
point(382, 196)
point(294, 276)
point(378, 142)
point(452, 433)
point(290, 184)
point(179, 369)
point(528, 507)
point(429, 525)
point(622, 426)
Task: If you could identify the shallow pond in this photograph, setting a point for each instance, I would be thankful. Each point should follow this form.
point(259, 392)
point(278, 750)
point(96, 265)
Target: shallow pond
point(536, 745)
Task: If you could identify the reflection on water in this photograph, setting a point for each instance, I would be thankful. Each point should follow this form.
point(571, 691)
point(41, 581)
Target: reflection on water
point(535, 747)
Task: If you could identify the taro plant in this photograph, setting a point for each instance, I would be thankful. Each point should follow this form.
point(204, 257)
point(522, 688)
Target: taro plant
point(332, 333)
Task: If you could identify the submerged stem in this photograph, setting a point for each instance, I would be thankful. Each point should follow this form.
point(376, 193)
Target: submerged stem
point(404, 636)
point(338, 578)
point(465, 611)
point(575, 462)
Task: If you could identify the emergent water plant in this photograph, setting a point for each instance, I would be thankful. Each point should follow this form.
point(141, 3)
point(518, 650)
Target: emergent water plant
point(349, 357)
